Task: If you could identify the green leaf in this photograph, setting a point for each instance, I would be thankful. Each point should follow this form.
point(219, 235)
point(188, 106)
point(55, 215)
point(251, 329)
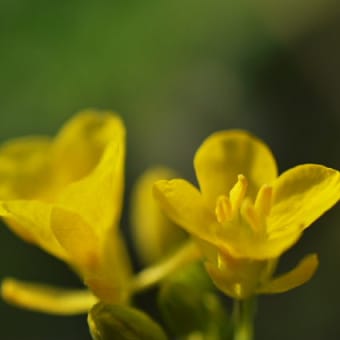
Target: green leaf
point(190, 304)
point(109, 322)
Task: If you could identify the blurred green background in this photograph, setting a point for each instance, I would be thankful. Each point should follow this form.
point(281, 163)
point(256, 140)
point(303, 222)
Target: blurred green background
point(176, 71)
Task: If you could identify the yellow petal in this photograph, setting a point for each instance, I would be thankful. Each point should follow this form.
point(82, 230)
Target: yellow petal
point(224, 283)
point(78, 147)
point(302, 273)
point(30, 220)
point(226, 154)
point(103, 263)
point(47, 299)
point(110, 282)
point(24, 167)
point(153, 233)
point(236, 277)
point(77, 238)
point(183, 203)
point(97, 198)
point(301, 195)
point(242, 243)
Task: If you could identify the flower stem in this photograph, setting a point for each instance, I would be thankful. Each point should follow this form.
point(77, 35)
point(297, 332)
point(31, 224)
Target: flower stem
point(243, 318)
point(152, 275)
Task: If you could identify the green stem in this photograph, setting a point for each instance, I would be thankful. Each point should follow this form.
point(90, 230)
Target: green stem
point(243, 318)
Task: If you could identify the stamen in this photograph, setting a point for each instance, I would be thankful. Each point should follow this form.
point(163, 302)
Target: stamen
point(238, 192)
point(220, 263)
point(238, 289)
point(223, 209)
point(263, 202)
point(251, 216)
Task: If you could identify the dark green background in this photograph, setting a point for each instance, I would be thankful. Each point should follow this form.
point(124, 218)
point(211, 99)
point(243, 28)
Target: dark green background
point(177, 71)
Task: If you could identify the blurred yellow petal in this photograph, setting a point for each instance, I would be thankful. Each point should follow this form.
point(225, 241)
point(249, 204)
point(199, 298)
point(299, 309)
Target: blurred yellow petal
point(47, 299)
point(30, 220)
point(77, 238)
point(97, 198)
point(79, 145)
point(226, 154)
point(302, 273)
point(301, 195)
point(183, 203)
point(153, 233)
point(24, 167)
point(110, 281)
point(103, 263)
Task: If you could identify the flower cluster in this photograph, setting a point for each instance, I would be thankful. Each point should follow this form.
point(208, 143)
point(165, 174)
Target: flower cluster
point(65, 194)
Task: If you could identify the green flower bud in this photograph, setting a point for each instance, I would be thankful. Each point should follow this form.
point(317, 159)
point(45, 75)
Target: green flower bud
point(109, 322)
point(190, 305)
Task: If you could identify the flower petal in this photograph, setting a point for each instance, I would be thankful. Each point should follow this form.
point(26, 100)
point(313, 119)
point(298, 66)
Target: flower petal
point(30, 220)
point(302, 273)
point(47, 299)
point(112, 286)
point(153, 233)
point(24, 168)
point(241, 243)
point(76, 237)
point(79, 145)
point(225, 284)
point(237, 278)
point(226, 154)
point(102, 263)
point(183, 203)
point(97, 198)
point(301, 195)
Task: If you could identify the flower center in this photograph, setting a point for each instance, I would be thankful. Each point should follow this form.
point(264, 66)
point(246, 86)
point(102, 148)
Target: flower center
point(235, 205)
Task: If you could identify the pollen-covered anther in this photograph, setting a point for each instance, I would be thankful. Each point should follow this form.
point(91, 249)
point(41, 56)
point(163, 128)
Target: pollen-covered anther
point(238, 192)
point(223, 209)
point(263, 202)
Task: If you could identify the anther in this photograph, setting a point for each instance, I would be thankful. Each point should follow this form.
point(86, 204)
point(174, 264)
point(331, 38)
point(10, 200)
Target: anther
point(251, 216)
point(223, 209)
point(263, 202)
point(238, 192)
point(238, 289)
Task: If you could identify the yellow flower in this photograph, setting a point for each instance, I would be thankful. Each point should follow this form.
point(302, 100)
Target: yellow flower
point(244, 216)
point(65, 195)
point(154, 235)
